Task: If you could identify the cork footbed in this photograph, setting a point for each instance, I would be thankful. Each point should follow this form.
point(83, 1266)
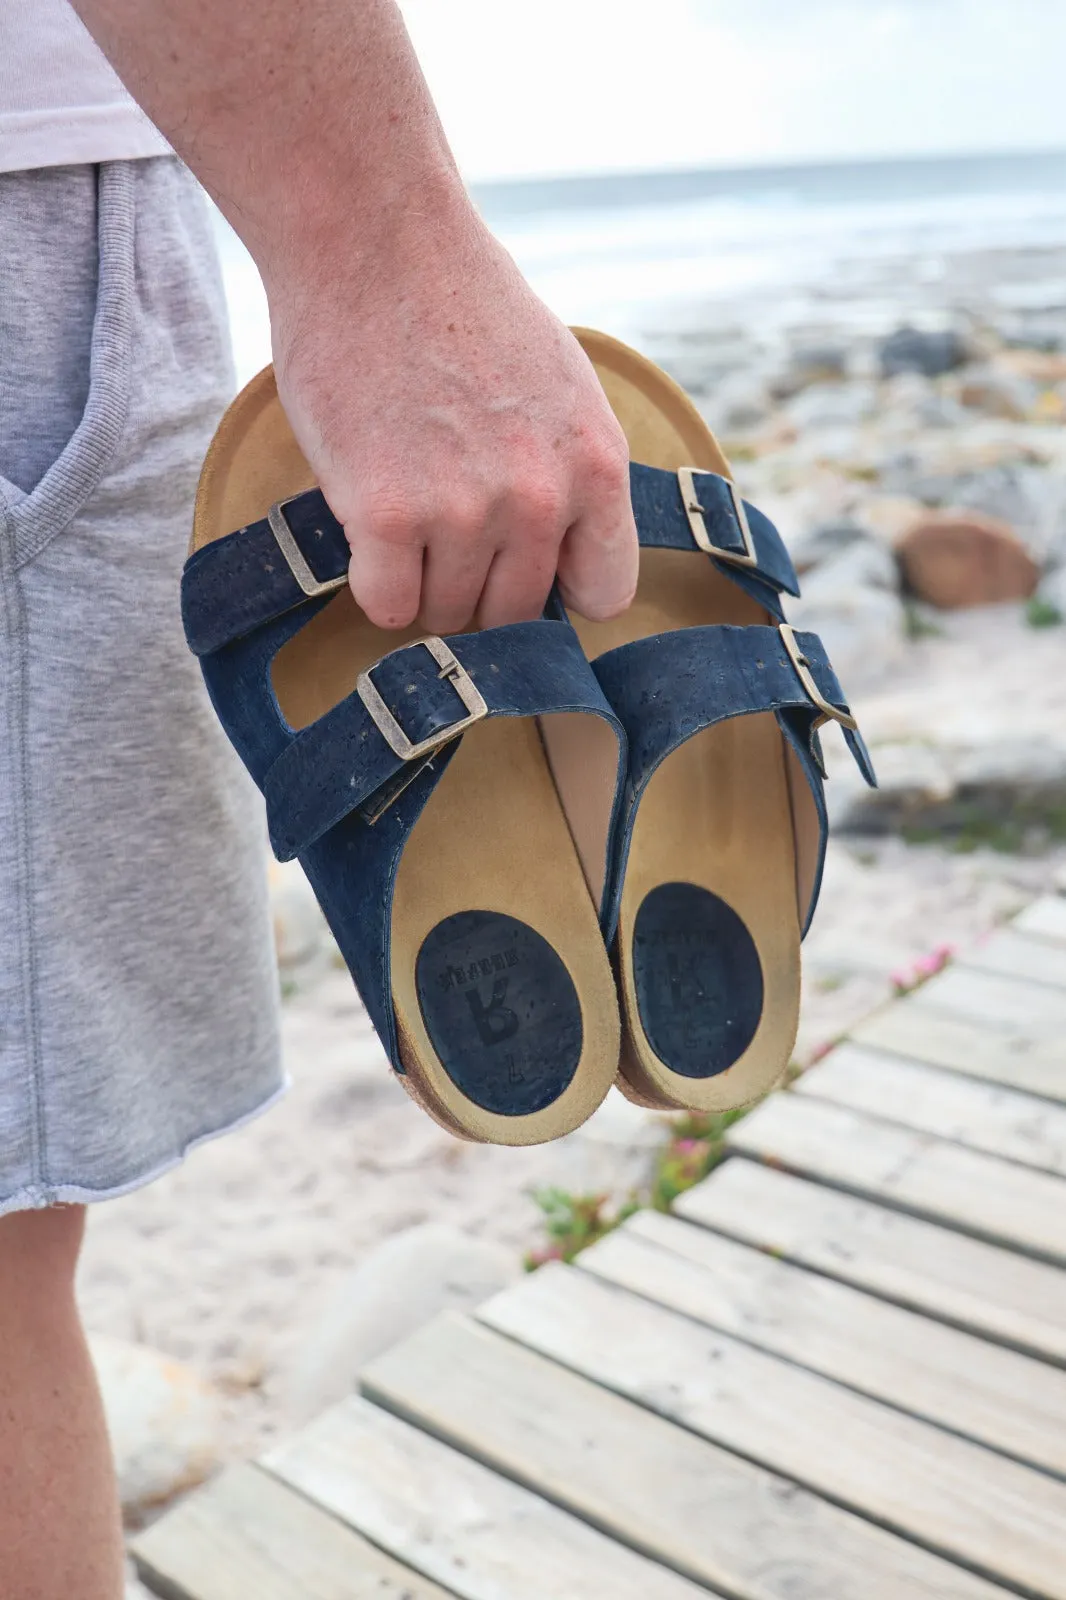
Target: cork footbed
point(718, 813)
point(493, 838)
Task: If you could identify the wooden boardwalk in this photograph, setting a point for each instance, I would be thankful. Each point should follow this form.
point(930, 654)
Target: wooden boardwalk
point(838, 1372)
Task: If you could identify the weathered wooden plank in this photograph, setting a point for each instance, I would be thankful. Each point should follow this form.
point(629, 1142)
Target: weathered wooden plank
point(957, 1498)
point(959, 1280)
point(1000, 1398)
point(650, 1484)
point(456, 1521)
point(1009, 1004)
point(1044, 919)
point(1018, 955)
point(976, 1193)
point(1000, 1121)
point(1008, 1056)
point(248, 1537)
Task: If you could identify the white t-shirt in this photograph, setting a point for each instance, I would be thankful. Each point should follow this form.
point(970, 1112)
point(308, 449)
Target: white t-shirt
point(60, 101)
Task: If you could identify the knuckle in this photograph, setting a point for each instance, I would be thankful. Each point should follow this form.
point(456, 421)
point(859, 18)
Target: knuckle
point(542, 501)
point(607, 464)
point(391, 517)
point(465, 521)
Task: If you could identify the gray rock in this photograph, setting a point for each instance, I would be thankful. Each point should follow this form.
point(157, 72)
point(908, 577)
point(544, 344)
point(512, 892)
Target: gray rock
point(832, 405)
point(1008, 771)
point(165, 1422)
point(814, 363)
point(912, 350)
point(739, 402)
point(823, 542)
point(864, 564)
point(998, 780)
point(914, 780)
point(997, 392)
point(401, 1285)
point(910, 401)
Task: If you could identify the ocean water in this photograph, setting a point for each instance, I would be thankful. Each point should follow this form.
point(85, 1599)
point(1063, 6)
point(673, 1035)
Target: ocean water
point(645, 255)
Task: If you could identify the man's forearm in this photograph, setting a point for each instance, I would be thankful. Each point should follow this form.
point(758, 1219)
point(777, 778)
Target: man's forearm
point(306, 120)
point(402, 333)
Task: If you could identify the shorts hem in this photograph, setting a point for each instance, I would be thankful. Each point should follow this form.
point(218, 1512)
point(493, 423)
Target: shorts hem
point(38, 1197)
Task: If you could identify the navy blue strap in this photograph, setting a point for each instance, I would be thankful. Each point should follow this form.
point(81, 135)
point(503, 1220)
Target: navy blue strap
point(663, 523)
point(238, 583)
point(344, 762)
point(669, 686)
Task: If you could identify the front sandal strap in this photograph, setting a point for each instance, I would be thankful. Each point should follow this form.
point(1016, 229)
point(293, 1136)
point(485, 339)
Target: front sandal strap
point(670, 686)
point(406, 714)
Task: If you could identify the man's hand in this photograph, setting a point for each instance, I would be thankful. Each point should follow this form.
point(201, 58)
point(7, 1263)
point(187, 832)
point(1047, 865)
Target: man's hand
point(456, 428)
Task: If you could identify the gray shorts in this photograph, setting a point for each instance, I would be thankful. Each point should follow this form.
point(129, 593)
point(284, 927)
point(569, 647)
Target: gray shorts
point(138, 1008)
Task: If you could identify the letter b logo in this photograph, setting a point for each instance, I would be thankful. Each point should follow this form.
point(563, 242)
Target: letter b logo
point(495, 1022)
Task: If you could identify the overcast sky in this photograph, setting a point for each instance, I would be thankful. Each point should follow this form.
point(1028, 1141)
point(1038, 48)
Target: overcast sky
point(548, 86)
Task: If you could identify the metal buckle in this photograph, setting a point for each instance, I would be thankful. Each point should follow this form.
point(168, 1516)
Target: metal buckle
point(830, 712)
point(279, 527)
point(686, 477)
point(461, 682)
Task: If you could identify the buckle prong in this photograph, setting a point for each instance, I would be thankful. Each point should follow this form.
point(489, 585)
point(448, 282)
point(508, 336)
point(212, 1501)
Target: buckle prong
point(461, 681)
point(829, 712)
point(697, 515)
point(294, 556)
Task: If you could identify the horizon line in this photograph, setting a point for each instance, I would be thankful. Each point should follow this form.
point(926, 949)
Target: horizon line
point(600, 175)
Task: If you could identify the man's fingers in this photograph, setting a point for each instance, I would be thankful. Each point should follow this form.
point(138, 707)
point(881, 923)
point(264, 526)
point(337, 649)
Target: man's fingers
point(454, 574)
point(386, 577)
point(490, 551)
point(599, 559)
point(528, 530)
point(516, 588)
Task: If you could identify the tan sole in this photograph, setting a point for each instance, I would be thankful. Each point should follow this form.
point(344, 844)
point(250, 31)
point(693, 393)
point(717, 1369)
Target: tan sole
point(718, 812)
point(493, 837)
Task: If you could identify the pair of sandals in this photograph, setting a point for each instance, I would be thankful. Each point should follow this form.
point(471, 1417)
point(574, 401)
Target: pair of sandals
point(558, 854)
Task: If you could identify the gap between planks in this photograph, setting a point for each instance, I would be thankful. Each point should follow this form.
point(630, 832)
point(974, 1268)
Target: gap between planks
point(1044, 919)
point(247, 1536)
point(988, 1117)
point(1011, 1057)
point(972, 1192)
point(1013, 954)
point(920, 1265)
point(1010, 1402)
point(455, 1521)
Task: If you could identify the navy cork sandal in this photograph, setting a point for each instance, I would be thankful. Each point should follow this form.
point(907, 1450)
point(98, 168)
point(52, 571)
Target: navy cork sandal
point(722, 836)
point(432, 789)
